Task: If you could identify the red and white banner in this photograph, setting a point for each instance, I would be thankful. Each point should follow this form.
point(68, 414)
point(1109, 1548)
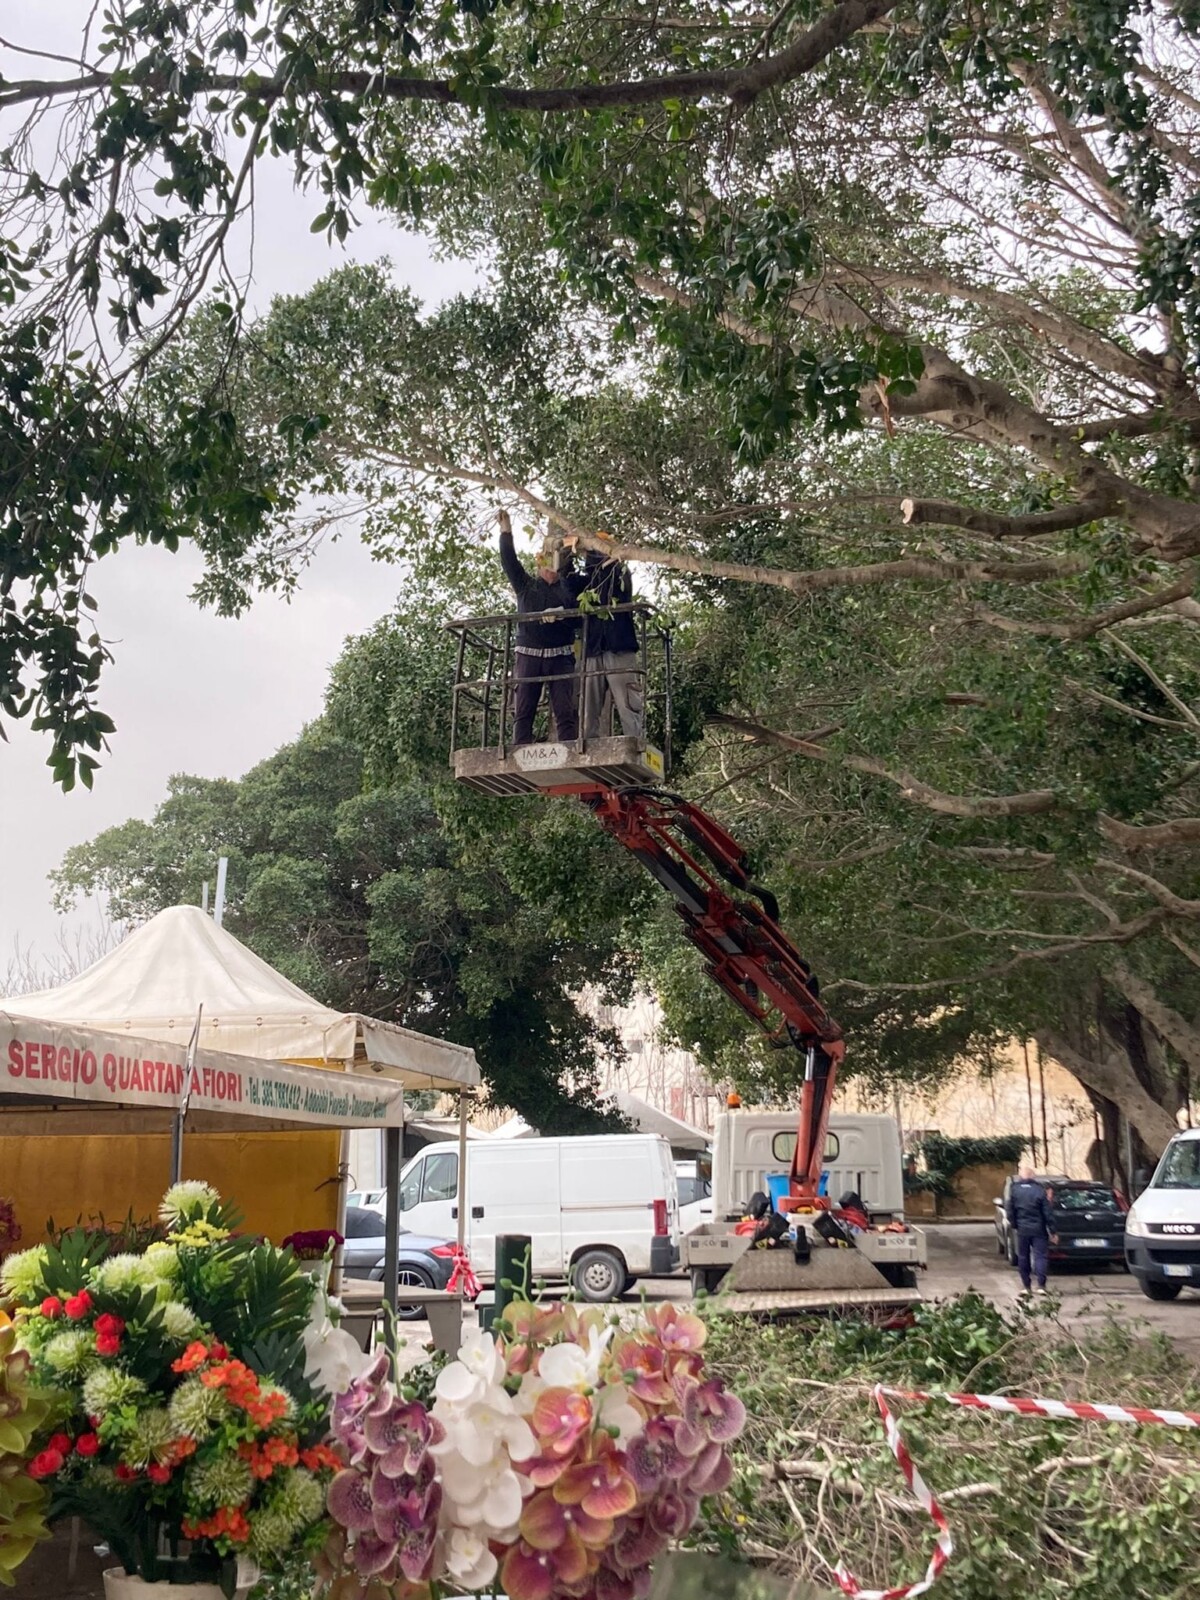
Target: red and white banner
point(53, 1065)
point(1069, 1410)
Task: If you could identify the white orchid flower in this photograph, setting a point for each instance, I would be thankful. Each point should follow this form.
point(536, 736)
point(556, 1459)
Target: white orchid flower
point(576, 1366)
point(614, 1410)
point(468, 1560)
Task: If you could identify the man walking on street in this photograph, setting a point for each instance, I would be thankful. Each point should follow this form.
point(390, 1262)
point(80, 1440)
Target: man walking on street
point(610, 646)
point(544, 649)
point(1029, 1216)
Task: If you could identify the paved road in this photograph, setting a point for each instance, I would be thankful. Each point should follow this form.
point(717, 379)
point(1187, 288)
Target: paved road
point(963, 1256)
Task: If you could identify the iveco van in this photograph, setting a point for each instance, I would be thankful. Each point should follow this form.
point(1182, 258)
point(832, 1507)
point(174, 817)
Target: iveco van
point(1162, 1230)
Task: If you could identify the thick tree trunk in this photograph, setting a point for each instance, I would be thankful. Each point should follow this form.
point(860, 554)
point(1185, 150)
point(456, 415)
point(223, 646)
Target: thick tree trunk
point(1113, 1077)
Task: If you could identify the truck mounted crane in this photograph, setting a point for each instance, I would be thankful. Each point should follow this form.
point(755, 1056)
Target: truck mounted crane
point(732, 920)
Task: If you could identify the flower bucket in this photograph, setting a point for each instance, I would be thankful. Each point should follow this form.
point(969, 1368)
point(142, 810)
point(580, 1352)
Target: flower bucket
point(119, 1585)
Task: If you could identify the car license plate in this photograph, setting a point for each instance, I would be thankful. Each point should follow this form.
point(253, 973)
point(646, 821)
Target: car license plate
point(1092, 1244)
point(1177, 1271)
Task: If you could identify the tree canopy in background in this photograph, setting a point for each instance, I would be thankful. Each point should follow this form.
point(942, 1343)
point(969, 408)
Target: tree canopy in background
point(871, 330)
point(982, 218)
point(390, 897)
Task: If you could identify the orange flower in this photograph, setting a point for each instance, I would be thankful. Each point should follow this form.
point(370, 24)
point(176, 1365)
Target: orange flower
point(235, 1377)
point(319, 1458)
point(194, 1356)
point(227, 1522)
point(178, 1451)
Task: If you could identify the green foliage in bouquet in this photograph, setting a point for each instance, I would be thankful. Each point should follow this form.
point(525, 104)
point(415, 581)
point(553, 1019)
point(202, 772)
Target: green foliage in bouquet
point(22, 1501)
point(187, 1433)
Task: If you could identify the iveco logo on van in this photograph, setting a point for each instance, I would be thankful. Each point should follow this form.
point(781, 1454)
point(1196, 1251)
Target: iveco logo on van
point(1179, 1227)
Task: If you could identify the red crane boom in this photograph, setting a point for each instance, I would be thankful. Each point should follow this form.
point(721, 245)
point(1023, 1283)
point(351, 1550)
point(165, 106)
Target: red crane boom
point(744, 948)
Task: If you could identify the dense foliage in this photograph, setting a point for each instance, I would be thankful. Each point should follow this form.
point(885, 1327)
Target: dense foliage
point(394, 897)
point(944, 1157)
point(871, 329)
point(1037, 1508)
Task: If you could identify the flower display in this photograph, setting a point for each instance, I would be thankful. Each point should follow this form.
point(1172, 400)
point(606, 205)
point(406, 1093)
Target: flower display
point(313, 1244)
point(168, 1419)
point(558, 1459)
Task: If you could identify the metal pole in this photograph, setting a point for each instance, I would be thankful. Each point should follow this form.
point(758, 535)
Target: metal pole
point(1042, 1081)
point(1029, 1092)
point(219, 901)
point(668, 706)
point(185, 1095)
point(458, 672)
point(391, 1221)
point(204, 898)
point(504, 691)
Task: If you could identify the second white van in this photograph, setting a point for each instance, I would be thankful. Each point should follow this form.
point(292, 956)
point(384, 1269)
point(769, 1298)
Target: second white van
point(601, 1210)
point(1162, 1229)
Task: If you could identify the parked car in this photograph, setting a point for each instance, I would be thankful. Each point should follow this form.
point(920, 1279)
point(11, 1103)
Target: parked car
point(374, 1198)
point(1162, 1230)
point(1088, 1221)
point(424, 1262)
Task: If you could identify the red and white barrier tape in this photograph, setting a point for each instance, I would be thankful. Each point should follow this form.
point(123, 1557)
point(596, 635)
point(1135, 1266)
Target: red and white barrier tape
point(463, 1277)
point(943, 1549)
point(1020, 1406)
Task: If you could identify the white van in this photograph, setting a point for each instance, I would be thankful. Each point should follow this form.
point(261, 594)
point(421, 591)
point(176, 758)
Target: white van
point(1162, 1229)
point(602, 1210)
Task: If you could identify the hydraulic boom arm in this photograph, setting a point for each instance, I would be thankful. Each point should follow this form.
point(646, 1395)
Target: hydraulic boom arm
point(745, 949)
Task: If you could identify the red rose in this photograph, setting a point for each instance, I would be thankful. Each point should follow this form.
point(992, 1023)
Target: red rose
point(87, 1444)
point(78, 1306)
point(158, 1474)
point(217, 1351)
point(108, 1344)
point(60, 1442)
point(108, 1325)
point(45, 1464)
point(123, 1473)
point(51, 1306)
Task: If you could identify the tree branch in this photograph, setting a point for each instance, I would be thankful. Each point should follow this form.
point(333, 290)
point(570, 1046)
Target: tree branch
point(999, 525)
point(1151, 836)
point(951, 805)
point(739, 85)
point(1091, 625)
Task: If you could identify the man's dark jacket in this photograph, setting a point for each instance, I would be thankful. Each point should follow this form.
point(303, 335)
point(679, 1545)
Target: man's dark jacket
point(1028, 1209)
point(607, 583)
point(534, 595)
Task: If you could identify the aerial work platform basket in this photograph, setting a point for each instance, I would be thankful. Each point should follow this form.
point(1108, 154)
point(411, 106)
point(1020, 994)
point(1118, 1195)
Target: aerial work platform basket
point(484, 754)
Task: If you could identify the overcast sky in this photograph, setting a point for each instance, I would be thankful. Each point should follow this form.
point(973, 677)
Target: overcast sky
point(190, 692)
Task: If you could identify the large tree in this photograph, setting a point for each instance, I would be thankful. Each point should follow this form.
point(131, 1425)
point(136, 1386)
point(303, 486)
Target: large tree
point(954, 812)
point(386, 897)
point(979, 218)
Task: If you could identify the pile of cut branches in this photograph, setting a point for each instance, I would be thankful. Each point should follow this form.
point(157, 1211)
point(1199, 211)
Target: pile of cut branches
point(1038, 1509)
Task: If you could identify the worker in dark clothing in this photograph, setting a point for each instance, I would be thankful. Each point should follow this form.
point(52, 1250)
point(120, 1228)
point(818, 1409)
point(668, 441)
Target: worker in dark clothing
point(544, 649)
point(610, 646)
point(1030, 1218)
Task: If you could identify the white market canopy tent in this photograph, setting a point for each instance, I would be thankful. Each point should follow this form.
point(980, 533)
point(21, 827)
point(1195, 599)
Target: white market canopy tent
point(152, 984)
point(681, 1136)
point(58, 1079)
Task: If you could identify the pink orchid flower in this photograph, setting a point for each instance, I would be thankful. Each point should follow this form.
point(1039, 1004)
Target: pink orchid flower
point(645, 1368)
point(560, 1419)
point(601, 1487)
